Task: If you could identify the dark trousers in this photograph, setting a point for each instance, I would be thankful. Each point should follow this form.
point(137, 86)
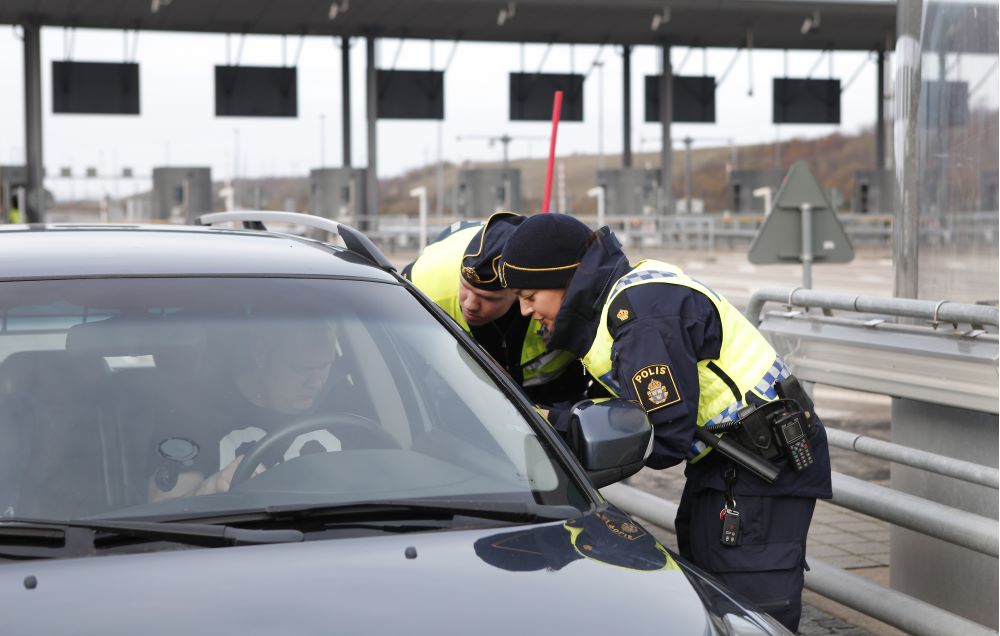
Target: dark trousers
point(767, 567)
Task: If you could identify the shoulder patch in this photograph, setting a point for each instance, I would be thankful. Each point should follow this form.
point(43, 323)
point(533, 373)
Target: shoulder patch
point(655, 387)
point(620, 311)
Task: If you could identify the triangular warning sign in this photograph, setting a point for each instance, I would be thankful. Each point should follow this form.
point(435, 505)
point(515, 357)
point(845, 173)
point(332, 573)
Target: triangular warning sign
point(779, 239)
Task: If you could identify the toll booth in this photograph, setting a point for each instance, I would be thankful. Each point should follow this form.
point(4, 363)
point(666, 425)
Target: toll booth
point(988, 198)
point(742, 184)
point(337, 193)
point(180, 195)
point(13, 193)
point(872, 192)
point(630, 191)
point(483, 191)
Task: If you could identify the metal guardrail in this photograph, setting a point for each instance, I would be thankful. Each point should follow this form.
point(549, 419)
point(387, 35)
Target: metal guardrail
point(708, 231)
point(934, 312)
point(887, 605)
point(915, 458)
point(684, 231)
point(904, 359)
point(930, 518)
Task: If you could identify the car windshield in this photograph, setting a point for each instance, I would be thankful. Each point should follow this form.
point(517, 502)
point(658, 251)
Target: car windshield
point(140, 397)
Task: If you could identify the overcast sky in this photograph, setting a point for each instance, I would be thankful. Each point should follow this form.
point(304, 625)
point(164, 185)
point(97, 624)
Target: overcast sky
point(178, 126)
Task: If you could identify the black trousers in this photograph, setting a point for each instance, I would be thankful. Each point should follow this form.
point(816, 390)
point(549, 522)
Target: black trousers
point(767, 567)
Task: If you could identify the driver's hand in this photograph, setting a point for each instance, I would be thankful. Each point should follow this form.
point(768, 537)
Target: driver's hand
point(220, 481)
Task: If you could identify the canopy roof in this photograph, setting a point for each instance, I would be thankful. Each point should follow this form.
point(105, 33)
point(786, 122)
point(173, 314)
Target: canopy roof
point(842, 24)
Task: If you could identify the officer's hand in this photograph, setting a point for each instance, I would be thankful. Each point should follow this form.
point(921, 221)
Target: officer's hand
point(220, 481)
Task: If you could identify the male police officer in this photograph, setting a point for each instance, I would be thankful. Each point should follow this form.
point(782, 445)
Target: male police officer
point(459, 273)
point(655, 336)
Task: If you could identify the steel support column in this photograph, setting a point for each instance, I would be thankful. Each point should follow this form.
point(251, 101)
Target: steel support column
point(880, 116)
point(345, 97)
point(688, 189)
point(34, 207)
point(627, 106)
point(906, 224)
point(666, 143)
point(371, 174)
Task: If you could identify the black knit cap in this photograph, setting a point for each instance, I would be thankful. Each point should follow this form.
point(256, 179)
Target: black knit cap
point(544, 252)
point(479, 264)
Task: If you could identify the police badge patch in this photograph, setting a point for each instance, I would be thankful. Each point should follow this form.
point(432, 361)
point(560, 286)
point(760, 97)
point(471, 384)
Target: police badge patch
point(471, 274)
point(655, 387)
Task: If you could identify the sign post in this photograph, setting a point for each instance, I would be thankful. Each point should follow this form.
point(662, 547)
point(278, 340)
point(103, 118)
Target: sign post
point(801, 227)
point(421, 195)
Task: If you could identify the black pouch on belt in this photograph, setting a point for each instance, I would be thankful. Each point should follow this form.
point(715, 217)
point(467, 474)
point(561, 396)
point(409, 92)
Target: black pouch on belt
point(754, 432)
point(791, 389)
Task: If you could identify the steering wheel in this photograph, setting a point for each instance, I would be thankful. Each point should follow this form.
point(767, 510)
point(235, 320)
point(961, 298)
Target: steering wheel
point(378, 436)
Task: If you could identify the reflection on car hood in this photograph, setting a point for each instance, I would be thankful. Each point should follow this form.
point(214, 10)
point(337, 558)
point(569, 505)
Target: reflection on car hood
point(601, 574)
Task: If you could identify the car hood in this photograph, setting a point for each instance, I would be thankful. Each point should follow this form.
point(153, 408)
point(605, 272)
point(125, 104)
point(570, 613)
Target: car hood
point(596, 575)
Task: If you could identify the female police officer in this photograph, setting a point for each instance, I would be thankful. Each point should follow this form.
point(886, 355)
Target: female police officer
point(655, 336)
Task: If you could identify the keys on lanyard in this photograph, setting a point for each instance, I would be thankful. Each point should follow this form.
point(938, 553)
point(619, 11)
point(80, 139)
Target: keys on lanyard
point(729, 516)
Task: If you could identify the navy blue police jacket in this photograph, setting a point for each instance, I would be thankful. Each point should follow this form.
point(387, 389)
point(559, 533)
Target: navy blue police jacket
point(677, 326)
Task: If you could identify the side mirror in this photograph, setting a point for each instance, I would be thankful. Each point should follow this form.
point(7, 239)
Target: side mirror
point(611, 438)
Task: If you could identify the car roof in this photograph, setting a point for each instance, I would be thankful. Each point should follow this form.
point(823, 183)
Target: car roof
point(68, 250)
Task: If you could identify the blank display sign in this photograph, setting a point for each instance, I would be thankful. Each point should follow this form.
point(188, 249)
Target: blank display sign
point(410, 94)
point(806, 101)
point(694, 99)
point(95, 88)
point(256, 91)
point(531, 96)
point(944, 104)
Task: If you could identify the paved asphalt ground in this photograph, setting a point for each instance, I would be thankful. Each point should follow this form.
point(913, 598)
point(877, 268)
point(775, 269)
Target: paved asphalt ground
point(838, 536)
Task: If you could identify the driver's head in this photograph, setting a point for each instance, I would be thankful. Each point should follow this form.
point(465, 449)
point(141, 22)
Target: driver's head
point(290, 365)
point(480, 294)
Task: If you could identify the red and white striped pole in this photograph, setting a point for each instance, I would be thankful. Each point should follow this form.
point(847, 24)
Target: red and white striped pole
point(556, 111)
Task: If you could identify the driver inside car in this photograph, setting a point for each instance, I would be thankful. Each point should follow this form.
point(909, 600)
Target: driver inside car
point(284, 380)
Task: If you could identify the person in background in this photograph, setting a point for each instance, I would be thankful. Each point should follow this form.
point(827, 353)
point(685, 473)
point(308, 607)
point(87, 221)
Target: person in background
point(14, 212)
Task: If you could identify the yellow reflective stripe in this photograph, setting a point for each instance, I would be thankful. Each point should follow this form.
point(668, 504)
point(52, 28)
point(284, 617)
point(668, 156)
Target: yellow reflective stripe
point(546, 367)
point(503, 278)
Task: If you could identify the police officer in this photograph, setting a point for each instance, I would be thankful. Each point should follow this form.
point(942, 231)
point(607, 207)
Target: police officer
point(458, 271)
point(14, 212)
point(655, 336)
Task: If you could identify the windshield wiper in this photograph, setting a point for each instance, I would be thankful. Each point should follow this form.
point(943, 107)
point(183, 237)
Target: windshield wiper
point(404, 509)
point(21, 538)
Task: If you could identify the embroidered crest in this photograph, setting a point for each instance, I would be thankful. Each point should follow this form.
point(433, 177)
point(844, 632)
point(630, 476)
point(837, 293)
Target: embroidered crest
point(620, 312)
point(655, 387)
point(470, 274)
point(657, 392)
